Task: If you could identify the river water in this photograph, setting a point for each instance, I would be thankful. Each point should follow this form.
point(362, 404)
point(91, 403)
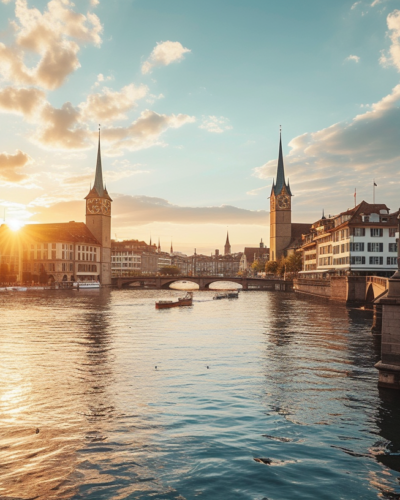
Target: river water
point(85, 413)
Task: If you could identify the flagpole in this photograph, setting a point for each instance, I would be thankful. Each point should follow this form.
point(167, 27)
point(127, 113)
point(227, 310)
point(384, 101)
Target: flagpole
point(355, 197)
point(373, 190)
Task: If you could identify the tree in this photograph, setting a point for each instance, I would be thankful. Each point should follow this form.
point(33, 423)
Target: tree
point(294, 263)
point(258, 265)
point(281, 266)
point(271, 267)
point(171, 270)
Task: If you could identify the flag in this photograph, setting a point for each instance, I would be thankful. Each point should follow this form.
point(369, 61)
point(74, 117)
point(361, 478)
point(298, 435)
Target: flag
point(375, 184)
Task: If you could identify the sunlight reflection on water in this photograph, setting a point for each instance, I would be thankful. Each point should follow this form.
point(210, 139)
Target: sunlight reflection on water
point(267, 375)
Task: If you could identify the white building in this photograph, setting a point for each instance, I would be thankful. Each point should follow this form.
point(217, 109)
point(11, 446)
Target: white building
point(360, 241)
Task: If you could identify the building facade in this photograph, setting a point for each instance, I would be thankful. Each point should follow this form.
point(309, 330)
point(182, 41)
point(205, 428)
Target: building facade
point(360, 241)
point(72, 251)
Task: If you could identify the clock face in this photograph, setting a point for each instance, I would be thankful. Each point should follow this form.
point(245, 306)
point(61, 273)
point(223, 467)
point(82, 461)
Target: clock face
point(106, 207)
point(284, 201)
point(94, 206)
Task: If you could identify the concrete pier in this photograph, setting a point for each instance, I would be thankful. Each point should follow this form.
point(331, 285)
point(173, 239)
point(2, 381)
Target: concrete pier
point(389, 366)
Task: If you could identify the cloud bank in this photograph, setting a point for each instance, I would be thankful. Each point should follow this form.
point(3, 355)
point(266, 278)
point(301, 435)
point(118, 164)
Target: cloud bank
point(140, 210)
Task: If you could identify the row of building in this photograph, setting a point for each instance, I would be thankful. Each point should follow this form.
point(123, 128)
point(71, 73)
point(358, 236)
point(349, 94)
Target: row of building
point(133, 257)
point(360, 241)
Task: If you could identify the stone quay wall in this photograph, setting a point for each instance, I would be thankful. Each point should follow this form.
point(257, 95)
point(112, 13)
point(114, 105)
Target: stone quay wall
point(349, 289)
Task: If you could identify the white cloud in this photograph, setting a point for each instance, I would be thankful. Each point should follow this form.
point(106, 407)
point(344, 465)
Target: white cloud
point(163, 54)
point(11, 165)
point(55, 36)
point(375, 2)
point(112, 105)
point(322, 165)
point(355, 5)
point(215, 124)
point(356, 59)
point(393, 57)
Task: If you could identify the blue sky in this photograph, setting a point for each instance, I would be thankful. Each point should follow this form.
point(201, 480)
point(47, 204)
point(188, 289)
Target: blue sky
point(190, 134)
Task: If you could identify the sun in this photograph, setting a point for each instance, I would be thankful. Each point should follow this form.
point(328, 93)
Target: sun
point(15, 224)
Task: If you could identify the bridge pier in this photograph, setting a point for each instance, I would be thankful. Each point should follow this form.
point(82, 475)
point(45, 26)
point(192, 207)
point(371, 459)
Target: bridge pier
point(389, 366)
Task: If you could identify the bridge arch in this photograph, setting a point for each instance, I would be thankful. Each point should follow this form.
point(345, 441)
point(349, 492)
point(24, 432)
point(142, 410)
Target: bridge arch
point(166, 285)
point(370, 294)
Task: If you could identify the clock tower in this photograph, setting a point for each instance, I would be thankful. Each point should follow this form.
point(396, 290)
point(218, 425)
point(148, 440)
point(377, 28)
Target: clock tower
point(280, 211)
point(98, 220)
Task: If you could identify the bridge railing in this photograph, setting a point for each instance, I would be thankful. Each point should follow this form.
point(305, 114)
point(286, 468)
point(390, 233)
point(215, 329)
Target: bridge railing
point(378, 280)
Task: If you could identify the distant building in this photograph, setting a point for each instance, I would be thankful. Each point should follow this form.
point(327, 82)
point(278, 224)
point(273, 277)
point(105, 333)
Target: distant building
point(227, 249)
point(359, 241)
point(252, 254)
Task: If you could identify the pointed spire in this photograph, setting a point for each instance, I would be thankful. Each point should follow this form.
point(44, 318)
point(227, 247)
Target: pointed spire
point(150, 240)
point(280, 173)
point(98, 180)
point(172, 249)
point(227, 239)
point(159, 246)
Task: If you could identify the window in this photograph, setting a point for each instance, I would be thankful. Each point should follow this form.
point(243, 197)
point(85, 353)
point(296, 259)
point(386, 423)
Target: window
point(392, 261)
point(358, 260)
point(376, 232)
point(358, 231)
point(336, 249)
point(53, 254)
point(375, 247)
point(356, 247)
point(392, 232)
point(392, 247)
point(53, 246)
point(376, 261)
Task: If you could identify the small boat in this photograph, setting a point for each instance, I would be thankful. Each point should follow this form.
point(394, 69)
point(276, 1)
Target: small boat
point(227, 295)
point(183, 301)
point(16, 289)
point(86, 285)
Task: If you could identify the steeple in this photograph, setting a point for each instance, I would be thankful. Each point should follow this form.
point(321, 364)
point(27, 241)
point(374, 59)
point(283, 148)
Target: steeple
point(280, 172)
point(227, 245)
point(172, 249)
point(159, 246)
point(98, 180)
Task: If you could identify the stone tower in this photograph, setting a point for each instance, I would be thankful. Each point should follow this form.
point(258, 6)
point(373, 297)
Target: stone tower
point(227, 245)
point(280, 211)
point(98, 220)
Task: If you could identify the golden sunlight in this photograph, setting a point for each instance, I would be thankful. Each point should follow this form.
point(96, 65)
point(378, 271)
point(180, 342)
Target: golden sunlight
point(15, 224)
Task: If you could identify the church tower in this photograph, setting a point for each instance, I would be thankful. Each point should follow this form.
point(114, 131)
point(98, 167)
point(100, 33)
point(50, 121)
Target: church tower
point(280, 211)
point(227, 245)
point(98, 220)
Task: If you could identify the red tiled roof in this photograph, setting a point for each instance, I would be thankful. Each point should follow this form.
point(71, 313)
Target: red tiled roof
point(69, 232)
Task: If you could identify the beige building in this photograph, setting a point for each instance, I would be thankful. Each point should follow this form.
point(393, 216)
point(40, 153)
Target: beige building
point(72, 251)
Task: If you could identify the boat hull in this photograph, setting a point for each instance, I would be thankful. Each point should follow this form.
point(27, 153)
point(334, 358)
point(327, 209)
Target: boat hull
point(168, 305)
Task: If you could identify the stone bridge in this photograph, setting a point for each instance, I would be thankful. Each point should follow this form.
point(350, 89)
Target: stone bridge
point(375, 288)
point(204, 282)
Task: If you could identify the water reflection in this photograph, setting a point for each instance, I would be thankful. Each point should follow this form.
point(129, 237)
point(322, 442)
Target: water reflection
point(289, 379)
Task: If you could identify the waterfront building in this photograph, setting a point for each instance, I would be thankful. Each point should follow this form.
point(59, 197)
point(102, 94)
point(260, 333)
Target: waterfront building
point(62, 251)
point(285, 236)
point(359, 241)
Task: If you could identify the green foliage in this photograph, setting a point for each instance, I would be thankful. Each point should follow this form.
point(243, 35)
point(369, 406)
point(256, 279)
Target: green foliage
point(170, 270)
point(271, 267)
point(294, 263)
point(258, 265)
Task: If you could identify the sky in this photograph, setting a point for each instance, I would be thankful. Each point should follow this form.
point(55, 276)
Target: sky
point(190, 97)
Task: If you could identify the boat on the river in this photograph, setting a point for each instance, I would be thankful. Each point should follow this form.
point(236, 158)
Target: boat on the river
point(86, 285)
point(187, 300)
point(226, 295)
